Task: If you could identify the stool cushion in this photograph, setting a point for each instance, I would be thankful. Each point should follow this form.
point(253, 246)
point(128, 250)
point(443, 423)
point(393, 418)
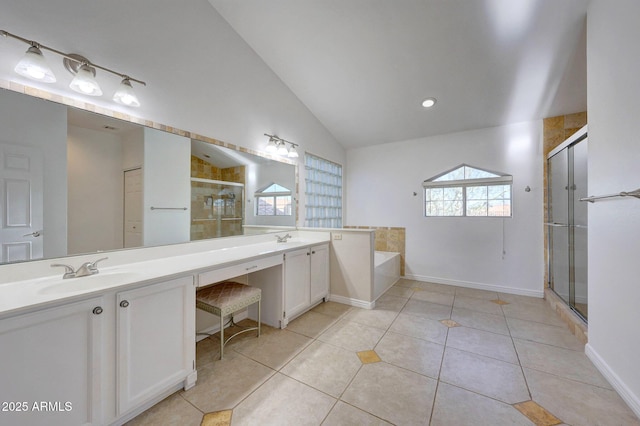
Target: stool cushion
point(226, 298)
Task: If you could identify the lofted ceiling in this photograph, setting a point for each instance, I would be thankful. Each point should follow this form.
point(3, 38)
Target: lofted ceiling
point(363, 67)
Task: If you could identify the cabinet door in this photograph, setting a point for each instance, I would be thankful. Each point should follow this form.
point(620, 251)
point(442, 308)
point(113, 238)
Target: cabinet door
point(319, 272)
point(50, 366)
point(296, 280)
point(156, 340)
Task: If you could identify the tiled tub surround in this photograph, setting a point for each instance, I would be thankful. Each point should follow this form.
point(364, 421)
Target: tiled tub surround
point(447, 356)
point(388, 239)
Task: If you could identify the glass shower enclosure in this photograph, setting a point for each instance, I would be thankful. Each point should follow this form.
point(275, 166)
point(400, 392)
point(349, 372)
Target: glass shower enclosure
point(567, 222)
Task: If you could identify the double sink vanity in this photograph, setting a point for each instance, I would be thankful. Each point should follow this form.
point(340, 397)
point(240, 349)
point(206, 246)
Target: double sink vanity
point(102, 348)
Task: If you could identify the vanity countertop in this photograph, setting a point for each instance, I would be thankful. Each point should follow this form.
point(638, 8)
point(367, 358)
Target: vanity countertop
point(39, 292)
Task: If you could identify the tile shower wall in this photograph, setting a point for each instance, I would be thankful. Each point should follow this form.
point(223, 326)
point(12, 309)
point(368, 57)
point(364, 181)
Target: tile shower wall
point(388, 239)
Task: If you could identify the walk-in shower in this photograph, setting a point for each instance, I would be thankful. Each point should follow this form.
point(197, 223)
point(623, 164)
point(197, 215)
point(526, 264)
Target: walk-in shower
point(567, 221)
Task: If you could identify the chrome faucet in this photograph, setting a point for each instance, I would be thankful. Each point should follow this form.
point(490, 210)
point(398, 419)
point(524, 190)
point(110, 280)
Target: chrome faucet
point(87, 268)
point(283, 239)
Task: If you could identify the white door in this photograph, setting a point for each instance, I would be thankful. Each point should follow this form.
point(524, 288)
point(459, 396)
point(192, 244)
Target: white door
point(133, 202)
point(21, 203)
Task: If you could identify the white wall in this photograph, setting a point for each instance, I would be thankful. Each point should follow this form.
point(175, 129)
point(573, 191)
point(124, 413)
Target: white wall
point(95, 173)
point(614, 164)
point(462, 251)
point(19, 113)
point(167, 184)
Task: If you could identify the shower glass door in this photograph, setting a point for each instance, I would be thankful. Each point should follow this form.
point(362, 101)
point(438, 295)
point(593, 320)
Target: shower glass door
point(567, 226)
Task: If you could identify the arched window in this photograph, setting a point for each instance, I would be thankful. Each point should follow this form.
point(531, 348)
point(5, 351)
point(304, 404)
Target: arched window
point(468, 191)
point(273, 200)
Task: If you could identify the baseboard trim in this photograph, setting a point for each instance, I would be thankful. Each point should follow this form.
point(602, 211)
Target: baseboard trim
point(352, 302)
point(632, 400)
point(480, 286)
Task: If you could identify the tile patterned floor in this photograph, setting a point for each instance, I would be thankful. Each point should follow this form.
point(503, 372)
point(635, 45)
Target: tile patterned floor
point(429, 354)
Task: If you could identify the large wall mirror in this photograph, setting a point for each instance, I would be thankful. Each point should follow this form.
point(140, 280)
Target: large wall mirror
point(75, 182)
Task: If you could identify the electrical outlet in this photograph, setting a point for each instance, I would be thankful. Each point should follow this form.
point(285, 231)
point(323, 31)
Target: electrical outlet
point(337, 236)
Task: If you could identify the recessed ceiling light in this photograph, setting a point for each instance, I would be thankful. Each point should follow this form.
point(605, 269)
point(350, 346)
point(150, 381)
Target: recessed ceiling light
point(429, 102)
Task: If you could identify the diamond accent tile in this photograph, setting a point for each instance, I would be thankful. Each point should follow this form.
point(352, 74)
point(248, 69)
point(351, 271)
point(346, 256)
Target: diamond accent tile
point(217, 418)
point(537, 413)
point(417, 289)
point(500, 302)
point(450, 323)
point(368, 357)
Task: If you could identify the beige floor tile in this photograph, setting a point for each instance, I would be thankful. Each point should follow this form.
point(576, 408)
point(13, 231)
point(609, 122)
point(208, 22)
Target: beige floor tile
point(420, 327)
point(275, 349)
point(578, 403)
point(480, 320)
point(475, 304)
point(562, 362)
point(543, 333)
point(324, 367)
point(332, 309)
point(283, 401)
point(392, 393)
point(372, 317)
point(223, 384)
point(477, 293)
point(311, 324)
point(352, 336)
point(406, 283)
point(344, 414)
point(427, 309)
point(399, 291)
point(172, 411)
point(439, 288)
point(413, 354)
point(388, 302)
point(481, 342)
point(456, 406)
point(434, 297)
point(487, 376)
point(207, 351)
point(522, 300)
point(532, 312)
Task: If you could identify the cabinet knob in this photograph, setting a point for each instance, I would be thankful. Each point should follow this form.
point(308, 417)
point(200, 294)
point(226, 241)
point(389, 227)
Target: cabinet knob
point(124, 303)
point(313, 252)
point(97, 310)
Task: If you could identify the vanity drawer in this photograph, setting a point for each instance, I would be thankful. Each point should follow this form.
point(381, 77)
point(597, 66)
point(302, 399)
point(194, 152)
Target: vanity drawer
point(216, 275)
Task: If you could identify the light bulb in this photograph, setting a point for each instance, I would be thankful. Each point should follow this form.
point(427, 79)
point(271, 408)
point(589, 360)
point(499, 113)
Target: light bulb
point(271, 146)
point(125, 94)
point(34, 66)
point(85, 83)
point(282, 149)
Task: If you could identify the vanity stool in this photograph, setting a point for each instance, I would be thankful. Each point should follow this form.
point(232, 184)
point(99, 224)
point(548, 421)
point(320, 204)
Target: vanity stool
point(226, 298)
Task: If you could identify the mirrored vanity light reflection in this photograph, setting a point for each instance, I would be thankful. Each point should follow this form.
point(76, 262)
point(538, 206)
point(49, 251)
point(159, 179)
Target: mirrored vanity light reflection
point(84, 183)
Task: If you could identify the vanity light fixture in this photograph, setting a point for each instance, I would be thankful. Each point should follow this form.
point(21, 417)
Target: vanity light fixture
point(34, 66)
point(278, 146)
point(429, 102)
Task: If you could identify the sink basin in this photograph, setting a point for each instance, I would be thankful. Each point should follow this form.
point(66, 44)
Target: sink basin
point(88, 283)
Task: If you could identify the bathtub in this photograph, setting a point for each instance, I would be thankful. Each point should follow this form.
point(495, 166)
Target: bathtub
point(386, 271)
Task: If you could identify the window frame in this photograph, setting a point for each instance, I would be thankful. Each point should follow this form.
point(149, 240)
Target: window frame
point(274, 195)
point(501, 179)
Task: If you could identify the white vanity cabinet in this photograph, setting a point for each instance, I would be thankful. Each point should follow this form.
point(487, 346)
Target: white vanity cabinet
point(155, 341)
point(306, 279)
point(51, 365)
point(319, 269)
